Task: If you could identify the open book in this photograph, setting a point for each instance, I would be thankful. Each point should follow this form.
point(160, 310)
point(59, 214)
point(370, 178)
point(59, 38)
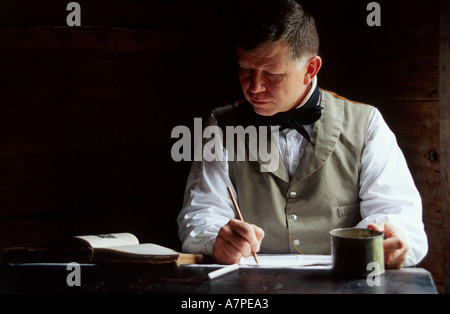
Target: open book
point(113, 247)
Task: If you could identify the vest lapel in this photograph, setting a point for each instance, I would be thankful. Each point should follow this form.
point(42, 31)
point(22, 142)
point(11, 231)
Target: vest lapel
point(275, 161)
point(325, 135)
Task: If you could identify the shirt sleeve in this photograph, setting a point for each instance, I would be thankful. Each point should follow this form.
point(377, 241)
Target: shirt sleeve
point(387, 189)
point(207, 206)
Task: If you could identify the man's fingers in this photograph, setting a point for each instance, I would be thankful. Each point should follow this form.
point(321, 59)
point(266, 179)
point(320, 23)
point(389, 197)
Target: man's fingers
point(235, 240)
point(393, 244)
point(259, 233)
point(225, 253)
point(376, 226)
point(248, 232)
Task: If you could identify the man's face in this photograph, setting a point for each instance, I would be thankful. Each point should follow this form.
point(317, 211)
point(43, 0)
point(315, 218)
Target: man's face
point(270, 80)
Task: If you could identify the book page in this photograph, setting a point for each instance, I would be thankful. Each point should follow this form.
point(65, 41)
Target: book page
point(110, 239)
point(145, 249)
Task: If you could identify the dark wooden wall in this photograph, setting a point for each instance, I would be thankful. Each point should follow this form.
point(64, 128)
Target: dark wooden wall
point(86, 113)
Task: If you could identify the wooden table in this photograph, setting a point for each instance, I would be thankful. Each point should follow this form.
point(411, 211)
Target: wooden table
point(172, 279)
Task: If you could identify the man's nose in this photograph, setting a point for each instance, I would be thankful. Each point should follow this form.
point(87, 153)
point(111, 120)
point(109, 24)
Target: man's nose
point(257, 84)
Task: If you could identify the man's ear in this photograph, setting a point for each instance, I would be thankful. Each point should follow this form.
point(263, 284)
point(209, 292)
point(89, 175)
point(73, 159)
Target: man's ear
point(312, 68)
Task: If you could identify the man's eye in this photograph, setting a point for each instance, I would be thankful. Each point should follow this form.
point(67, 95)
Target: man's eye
point(244, 70)
point(274, 76)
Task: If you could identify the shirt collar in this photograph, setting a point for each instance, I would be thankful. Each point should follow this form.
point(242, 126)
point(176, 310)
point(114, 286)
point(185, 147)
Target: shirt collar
point(311, 91)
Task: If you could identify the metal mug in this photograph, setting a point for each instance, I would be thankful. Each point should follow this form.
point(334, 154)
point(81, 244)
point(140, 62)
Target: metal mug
point(354, 249)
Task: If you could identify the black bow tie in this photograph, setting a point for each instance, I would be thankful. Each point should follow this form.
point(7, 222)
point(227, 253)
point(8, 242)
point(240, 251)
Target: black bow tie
point(296, 118)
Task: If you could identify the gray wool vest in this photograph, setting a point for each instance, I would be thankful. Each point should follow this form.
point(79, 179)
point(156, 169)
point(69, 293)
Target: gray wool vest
point(323, 194)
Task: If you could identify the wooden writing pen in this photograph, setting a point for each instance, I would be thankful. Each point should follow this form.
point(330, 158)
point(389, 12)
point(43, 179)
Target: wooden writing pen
point(238, 211)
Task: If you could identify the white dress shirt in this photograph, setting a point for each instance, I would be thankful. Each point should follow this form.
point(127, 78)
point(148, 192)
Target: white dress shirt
point(387, 190)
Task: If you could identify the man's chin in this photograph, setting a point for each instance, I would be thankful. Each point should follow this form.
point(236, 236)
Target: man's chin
point(264, 111)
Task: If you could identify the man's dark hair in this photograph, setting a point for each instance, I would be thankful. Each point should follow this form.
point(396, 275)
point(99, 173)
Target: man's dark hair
point(259, 22)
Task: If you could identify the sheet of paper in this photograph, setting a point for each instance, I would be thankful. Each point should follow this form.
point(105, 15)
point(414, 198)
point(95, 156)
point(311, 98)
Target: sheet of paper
point(288, 261)
point(280, 261)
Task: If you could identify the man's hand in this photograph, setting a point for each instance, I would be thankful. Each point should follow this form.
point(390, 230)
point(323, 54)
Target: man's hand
point(395, 246)
point(235, 240)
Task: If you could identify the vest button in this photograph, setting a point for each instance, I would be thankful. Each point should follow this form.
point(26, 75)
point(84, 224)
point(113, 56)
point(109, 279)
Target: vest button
point(293, 194)
point(293, 217)
point(297, 242)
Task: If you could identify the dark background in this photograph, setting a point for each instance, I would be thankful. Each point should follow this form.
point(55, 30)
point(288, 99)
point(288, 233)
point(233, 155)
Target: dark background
point(86, 113)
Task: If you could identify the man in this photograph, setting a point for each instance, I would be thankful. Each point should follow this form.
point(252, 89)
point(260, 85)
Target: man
point(340, 165)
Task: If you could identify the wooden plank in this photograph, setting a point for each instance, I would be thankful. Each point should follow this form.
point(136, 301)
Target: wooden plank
point(56, 78)
point(136, 190)
point(415, 23)
point(54, 182)
point(63, 75)
point(131, 14)
point(34, 230)
point(444, 106)
point(152, 220)
point(434, 260)
point(90, 38)
point(58, 127)
point(416, 126)
point(30, 129)
point(389, 72)
point(398, 60)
